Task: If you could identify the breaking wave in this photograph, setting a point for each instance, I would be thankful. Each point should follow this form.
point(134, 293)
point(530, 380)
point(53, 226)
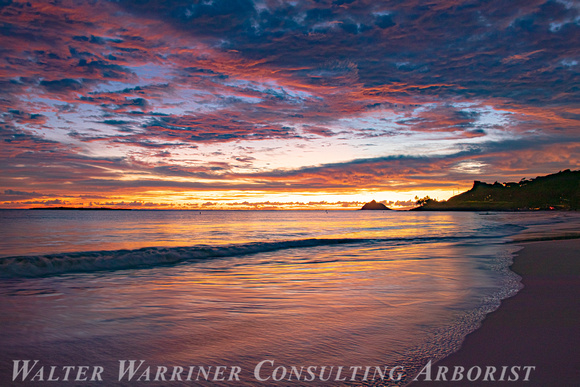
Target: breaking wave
point(41, 265)
point(75, 262)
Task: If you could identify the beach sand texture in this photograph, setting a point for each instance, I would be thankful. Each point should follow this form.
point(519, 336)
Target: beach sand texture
point(537, 327)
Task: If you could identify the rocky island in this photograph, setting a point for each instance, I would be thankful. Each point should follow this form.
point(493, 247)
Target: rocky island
point(375, 206)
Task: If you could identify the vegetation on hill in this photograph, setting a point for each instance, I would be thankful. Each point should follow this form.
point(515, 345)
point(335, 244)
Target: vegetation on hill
point(559, 191)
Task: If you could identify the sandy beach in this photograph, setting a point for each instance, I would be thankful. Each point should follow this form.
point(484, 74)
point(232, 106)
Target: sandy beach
point(538, 327)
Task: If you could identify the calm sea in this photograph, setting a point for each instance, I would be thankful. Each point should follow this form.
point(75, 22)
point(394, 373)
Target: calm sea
point(235, 289)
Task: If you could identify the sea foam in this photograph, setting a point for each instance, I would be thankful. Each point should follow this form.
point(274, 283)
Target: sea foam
point(41, 265)
point(89, 261)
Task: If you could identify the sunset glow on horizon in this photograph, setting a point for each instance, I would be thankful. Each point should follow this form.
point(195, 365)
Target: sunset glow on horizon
point(266, 104)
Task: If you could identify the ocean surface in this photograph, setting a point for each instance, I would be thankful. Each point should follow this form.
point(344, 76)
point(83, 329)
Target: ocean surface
point(230, 290)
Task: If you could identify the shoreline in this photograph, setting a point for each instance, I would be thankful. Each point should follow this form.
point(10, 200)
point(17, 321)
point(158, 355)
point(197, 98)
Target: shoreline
point(537, 327)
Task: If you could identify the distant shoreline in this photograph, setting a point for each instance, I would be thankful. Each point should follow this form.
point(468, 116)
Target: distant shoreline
point(81, 208)
point(415, 209)
point(483, 209)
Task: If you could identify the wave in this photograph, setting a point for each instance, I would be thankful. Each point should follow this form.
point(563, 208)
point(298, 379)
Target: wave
point(42, 265)
point(75, 262)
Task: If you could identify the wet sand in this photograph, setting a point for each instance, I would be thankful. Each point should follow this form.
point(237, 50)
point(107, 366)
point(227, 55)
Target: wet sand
point(539, 326)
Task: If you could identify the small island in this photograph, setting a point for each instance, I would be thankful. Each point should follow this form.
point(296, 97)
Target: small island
point(374, 206)
point(559, 191)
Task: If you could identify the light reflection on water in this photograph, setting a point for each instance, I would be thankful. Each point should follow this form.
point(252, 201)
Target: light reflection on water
point(28, 232)
point(370, 303)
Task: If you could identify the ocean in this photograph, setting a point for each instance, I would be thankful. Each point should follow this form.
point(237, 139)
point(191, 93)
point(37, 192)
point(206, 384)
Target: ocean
point(246, 298)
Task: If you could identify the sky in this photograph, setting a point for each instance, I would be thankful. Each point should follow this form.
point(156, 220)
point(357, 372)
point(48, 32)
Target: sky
point(263, 104)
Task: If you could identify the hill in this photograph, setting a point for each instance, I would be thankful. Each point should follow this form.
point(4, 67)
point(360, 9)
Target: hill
point(559, 191)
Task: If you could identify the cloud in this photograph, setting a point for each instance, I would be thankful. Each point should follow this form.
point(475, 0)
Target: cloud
point(48, 202)
point(61, 85)
point(10, 194)
point(125, 94)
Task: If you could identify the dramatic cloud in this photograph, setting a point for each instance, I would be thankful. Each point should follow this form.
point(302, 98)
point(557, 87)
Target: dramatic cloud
point(160, 102)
